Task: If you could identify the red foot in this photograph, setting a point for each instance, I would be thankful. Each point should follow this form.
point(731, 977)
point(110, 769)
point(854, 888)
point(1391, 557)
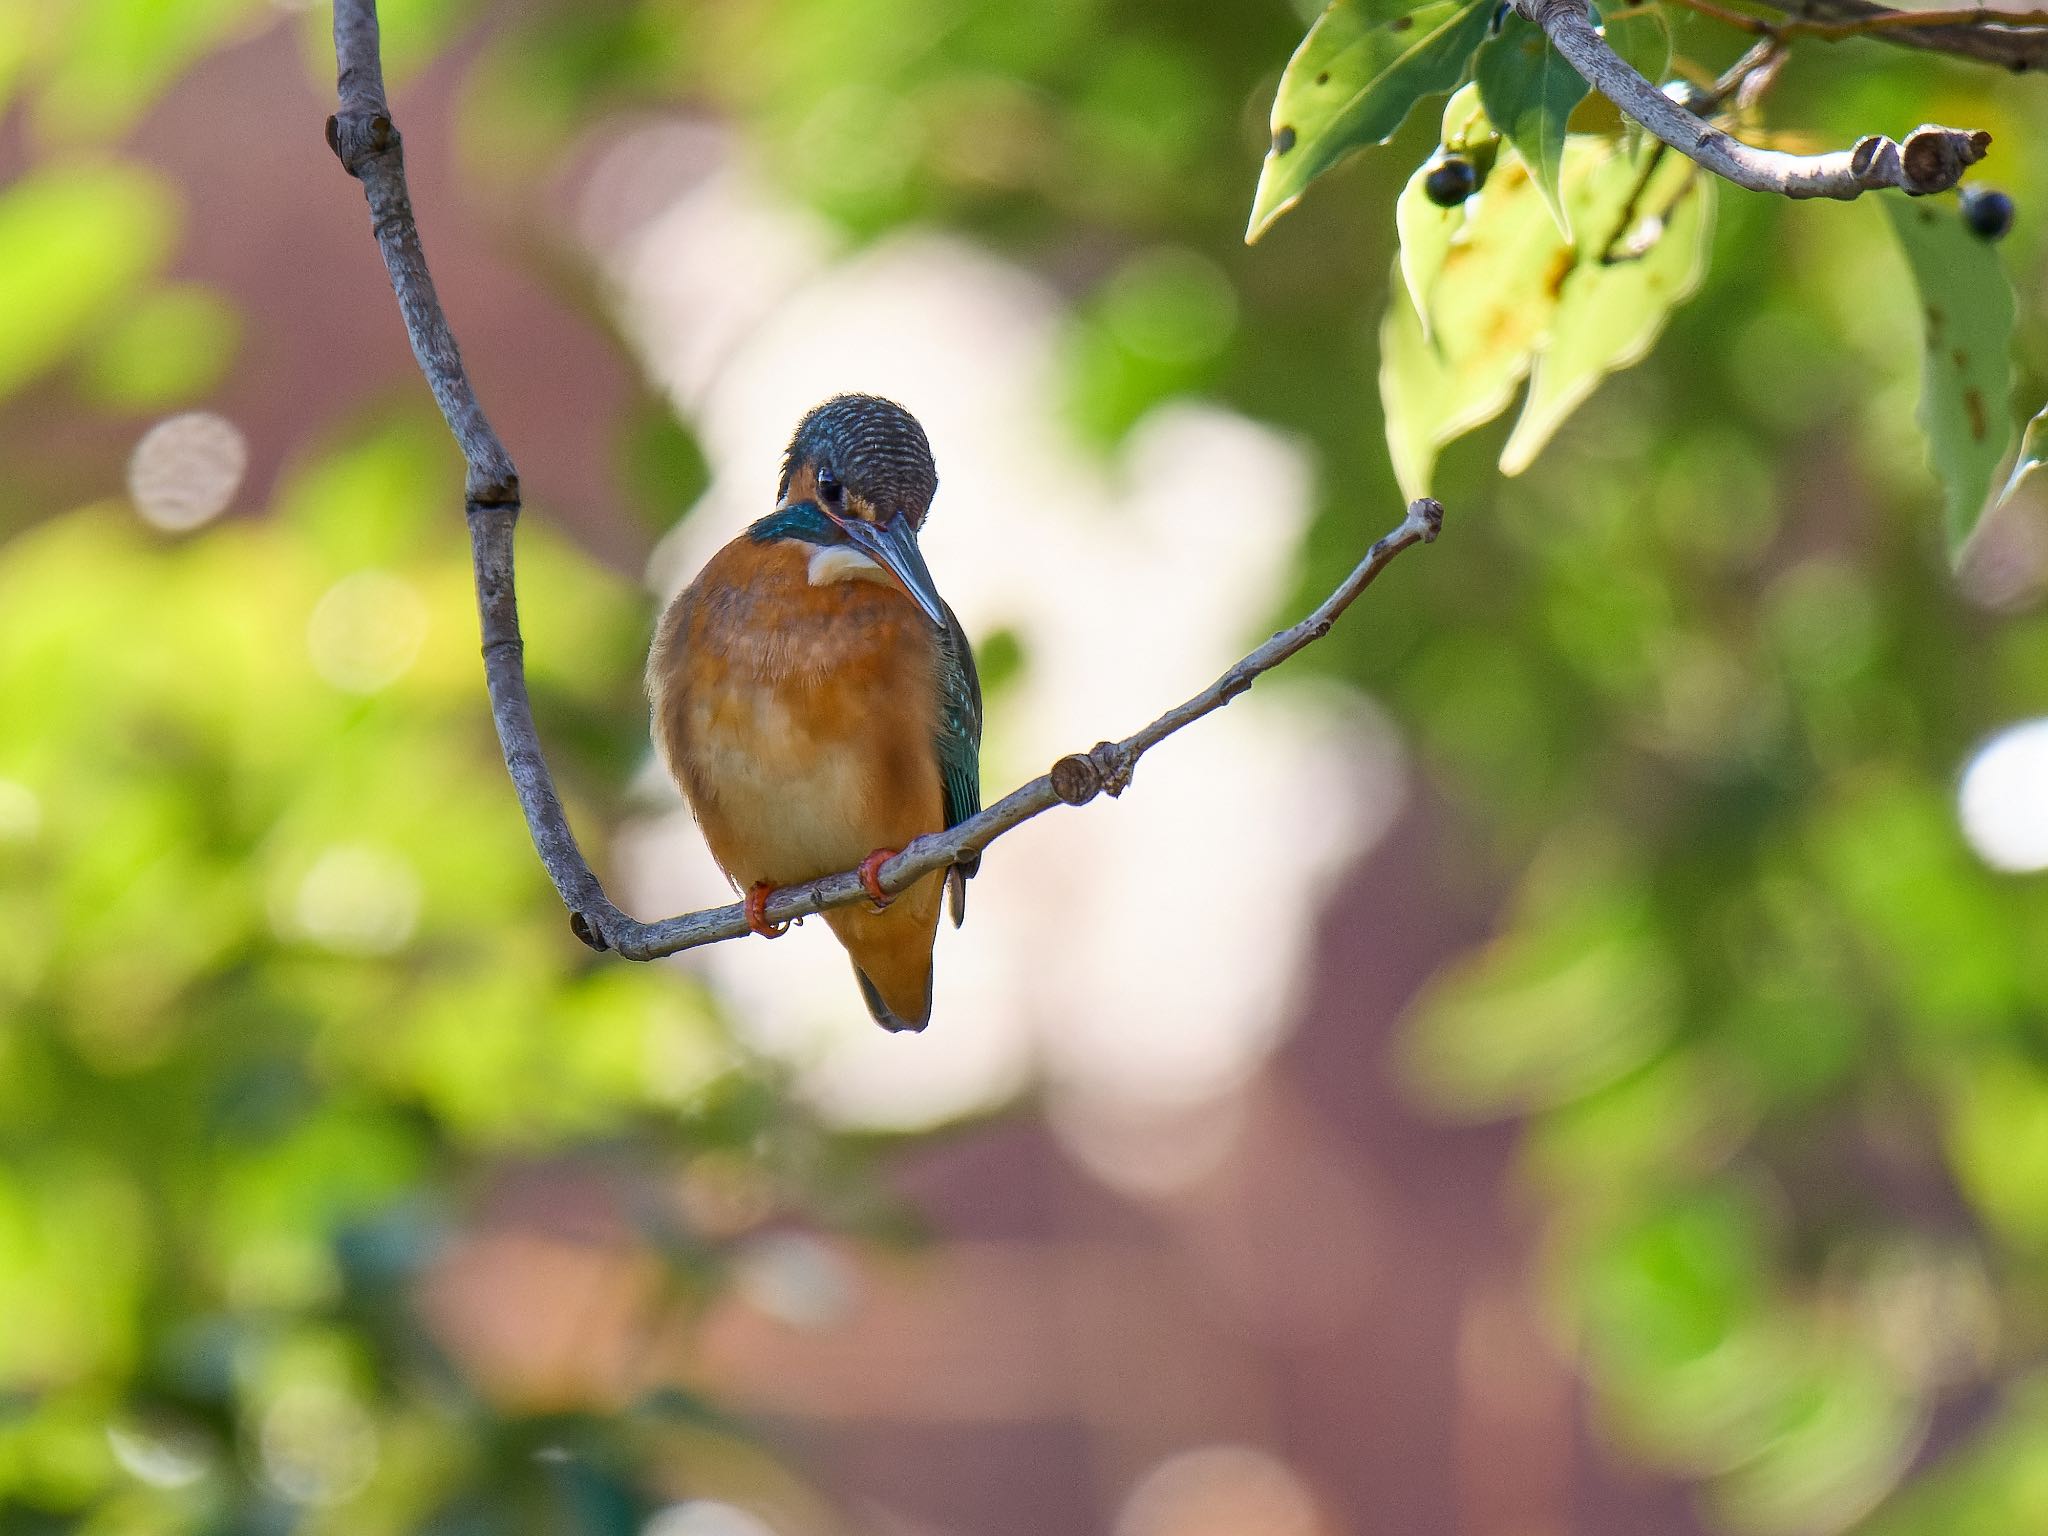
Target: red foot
point(870, 872)
point(757, 910)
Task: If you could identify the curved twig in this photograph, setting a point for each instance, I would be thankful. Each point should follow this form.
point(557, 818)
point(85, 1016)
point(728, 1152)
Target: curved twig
point(362, 135)
point(2017, 40)
point(1932, 159)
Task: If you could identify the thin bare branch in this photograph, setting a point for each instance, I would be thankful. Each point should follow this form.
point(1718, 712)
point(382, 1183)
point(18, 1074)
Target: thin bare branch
point(1073, 780)
point(1931, 159)
point(367, 143)
point(363, 136)
point(1877, 19)
point(1742, 21)
point(2015, 40)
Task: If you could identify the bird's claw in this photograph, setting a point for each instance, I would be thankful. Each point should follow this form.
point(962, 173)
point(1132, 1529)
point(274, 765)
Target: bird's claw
point(870, 872)
point(757, 910)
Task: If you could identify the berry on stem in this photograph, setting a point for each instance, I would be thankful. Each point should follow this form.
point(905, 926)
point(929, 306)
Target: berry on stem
point(1987, 211)
point(1450, 181)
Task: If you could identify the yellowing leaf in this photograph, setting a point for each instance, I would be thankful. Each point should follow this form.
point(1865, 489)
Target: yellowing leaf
point(1424, 230)
point(1653, 234)
point(1425, 233)
point(1966, 379)
point(1352, 82)
point(1489, 309)
point(1507, 295)
point(1466, 127)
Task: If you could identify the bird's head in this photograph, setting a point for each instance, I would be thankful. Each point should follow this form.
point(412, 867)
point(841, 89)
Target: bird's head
point(866, 466)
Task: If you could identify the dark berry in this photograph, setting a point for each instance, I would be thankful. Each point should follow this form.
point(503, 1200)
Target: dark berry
point(1988, 212)
point(1450, 181)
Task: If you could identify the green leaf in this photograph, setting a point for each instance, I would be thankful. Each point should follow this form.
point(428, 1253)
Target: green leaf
point(1966, 381)
point(1652, 217)
point(2033, 454)
point(18, 38)
point(173, 347)
point(1352, 82)
point(116, 57)
point(1529, 91)
point(1563, 1003)
point(1642, 37)
point(72, 243)
point(1838, 1440)
point(1997, 1133)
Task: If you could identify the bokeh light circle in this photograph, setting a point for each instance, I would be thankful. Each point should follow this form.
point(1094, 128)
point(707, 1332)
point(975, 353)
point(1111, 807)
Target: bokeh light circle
point(2003, 799)
point(1220, 1490)
point(706, 1517)
point(366, 631)
point(356, 899)
point(21, 812)
point(186, 470)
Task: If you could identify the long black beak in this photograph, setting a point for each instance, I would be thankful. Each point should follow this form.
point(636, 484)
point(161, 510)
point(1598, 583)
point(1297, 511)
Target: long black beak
point(893, 545)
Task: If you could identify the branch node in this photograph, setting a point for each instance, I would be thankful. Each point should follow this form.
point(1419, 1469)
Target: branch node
point(1429, 512)
point(358, 136)
point(1933, 158)
point(1114, 764)
point(1075, 779)
point(588, 932)
point(1873, 161)
point(492, 493)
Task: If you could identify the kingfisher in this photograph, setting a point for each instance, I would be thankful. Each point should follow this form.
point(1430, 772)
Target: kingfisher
point(816, 699)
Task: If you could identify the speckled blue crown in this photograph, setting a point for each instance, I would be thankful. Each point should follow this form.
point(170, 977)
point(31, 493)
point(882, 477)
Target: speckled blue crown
point(874, 446)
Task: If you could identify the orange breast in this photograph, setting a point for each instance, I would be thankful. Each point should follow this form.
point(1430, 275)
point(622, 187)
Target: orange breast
point(798, 719)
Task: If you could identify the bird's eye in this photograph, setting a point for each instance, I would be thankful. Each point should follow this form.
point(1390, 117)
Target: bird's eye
point(829, 488)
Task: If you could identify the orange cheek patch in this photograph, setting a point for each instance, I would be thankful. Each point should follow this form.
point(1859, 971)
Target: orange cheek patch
point(803, 485)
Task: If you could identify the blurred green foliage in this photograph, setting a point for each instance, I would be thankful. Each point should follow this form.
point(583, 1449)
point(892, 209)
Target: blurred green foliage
point(252, 821)
point(283, 991)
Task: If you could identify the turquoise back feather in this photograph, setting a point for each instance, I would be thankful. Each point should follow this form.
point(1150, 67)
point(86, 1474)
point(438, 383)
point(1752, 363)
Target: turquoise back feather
point(958, 743)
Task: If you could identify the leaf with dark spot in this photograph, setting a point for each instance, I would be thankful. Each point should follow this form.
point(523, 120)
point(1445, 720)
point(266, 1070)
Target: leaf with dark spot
point(1966, 374)
point(1353, 81)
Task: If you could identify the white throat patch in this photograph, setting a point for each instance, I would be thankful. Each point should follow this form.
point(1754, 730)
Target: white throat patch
point(842, 562)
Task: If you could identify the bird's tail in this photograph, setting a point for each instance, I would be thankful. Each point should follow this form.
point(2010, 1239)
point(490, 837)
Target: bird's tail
point(956, 885)
point(886, 1016)
point(892, 954)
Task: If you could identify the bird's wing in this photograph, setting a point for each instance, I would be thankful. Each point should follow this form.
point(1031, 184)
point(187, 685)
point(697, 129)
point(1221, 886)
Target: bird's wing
point(958, 742)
